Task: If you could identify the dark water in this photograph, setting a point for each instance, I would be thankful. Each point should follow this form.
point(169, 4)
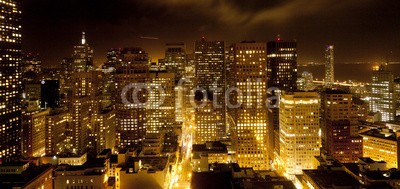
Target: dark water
point(345, 72)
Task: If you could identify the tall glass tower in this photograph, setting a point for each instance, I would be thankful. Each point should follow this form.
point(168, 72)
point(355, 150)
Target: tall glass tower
point(210, 76)
point(329, 66)
point(382, 93)
point(10, 79)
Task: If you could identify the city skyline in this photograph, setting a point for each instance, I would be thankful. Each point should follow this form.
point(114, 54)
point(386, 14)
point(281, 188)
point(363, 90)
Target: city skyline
point(348, 25)
point(225, 110)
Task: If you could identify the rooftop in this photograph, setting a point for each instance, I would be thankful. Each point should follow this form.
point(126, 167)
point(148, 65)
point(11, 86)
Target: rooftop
point(336, 91)
point(328, 179)
point(381, 133)
point(215, 146)
point(151, 163)
point(19, 180)
point(352, 167)
point(383, 175)
point(105, 152)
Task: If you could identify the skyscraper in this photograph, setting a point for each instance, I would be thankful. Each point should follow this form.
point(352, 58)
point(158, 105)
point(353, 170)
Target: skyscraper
point(329, 66)
point(83, 56)
point(282, 64)
point(175, 59)
point(383, 98)
point(10, 79)
point(175, 62)
point(210, 76)
point(109, 70)
point(131, 115)
point(84, 108)
point(105, 130)
point(206, 122)
point(33, 133)
point(50, 94)
point(281, 75)
point(299, 131)
point(55, 137)
point(160, 108)
point(339, 126)
point(250, 132)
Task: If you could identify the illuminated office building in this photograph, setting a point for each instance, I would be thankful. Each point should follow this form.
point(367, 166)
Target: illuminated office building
point(299, 131)
point(33, 133)
point(381, 145)
point(80, 124)
point(84, 108)
point(281, 76)
point(109, 69)
point(31, 63)
point(305, 82)
point(210, 76)
point(382, 98)
point(10, 79)
point(188, 111)
point(206, 122)
point(397, 92)
point(131, 116)
point(250, 132)
point(83, 56)
point(282, 64)
point(55, 136)
point(175, 62)
point(175, 59)
point(329, 66)
point(65, 80)
point(160, 108)
point(339, 126)
point(104, 130)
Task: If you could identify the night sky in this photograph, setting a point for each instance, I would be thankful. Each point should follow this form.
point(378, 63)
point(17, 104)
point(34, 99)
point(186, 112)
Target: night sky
point(361, 30)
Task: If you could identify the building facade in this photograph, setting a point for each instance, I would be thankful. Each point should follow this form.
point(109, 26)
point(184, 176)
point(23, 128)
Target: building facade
point(57, 123)
point(381, 145)
point(210, 76)
point(339, 126)
point(383, 98)
point(131, 114)
point(329, 66)
point(250, 132)
point(281, 76)
point(83, 56)
point(160, 108)
point(299, 134)
point(33, 133)
point(10, 76)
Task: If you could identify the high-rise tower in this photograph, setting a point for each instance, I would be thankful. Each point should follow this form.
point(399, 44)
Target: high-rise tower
point(329, 66)
point(382, 93)
point(10, 79)
point(299, 131)
point(83, 56)
point(130, 112)
point(250, 131)
point(282, 64)
point(175, 59)
point(210, 76)
point(281, 76)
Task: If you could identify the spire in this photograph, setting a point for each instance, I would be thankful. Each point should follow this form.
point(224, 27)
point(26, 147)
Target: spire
point(83, 38)
point(278, 37)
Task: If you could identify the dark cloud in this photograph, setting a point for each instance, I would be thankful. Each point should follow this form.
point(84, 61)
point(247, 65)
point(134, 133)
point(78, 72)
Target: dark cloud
point(362, 30)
